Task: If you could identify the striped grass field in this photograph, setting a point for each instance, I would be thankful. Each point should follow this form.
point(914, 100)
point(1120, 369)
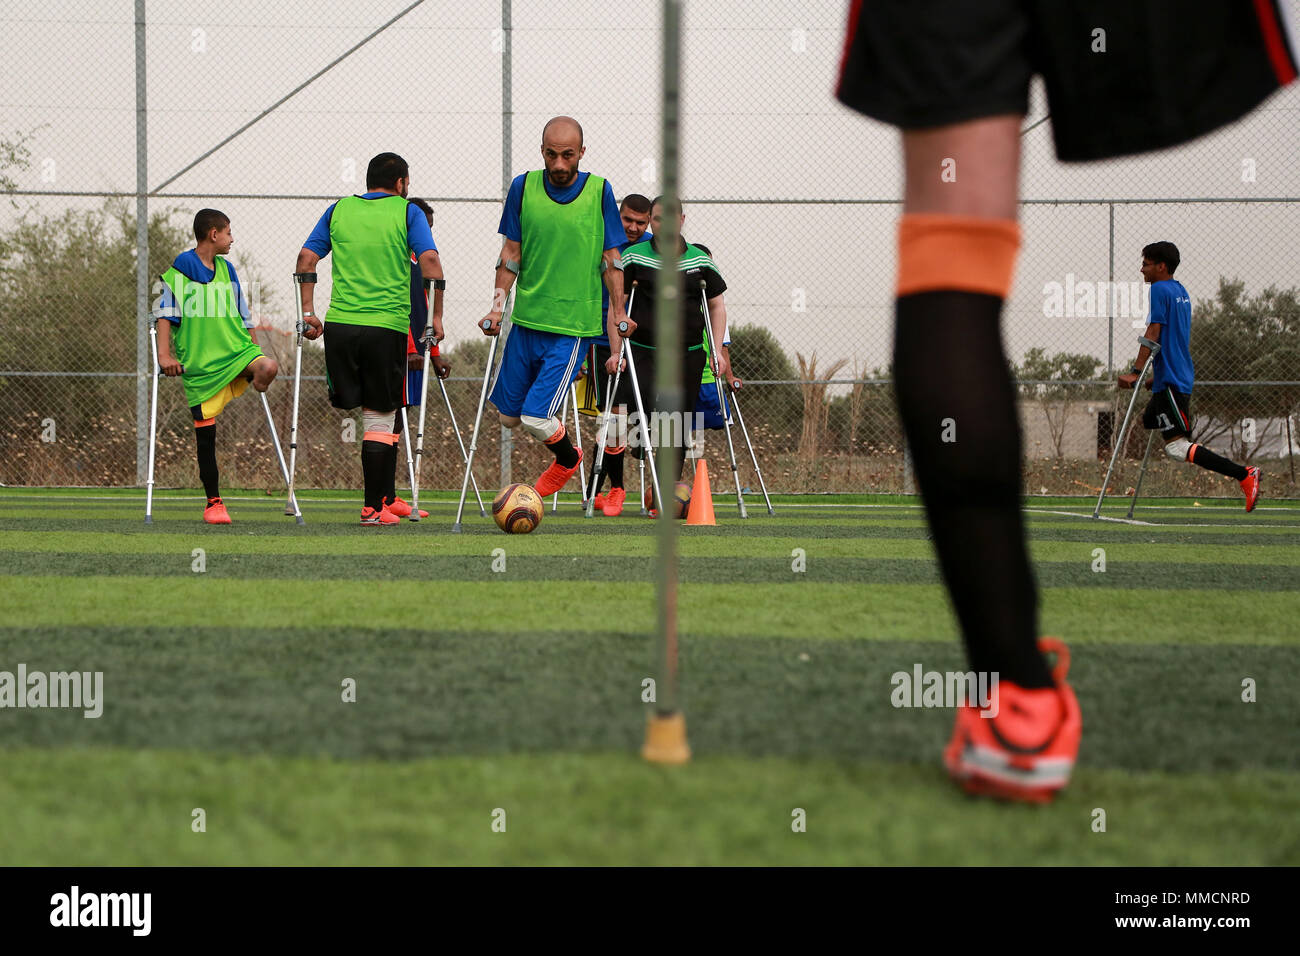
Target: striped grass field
point(515, 695)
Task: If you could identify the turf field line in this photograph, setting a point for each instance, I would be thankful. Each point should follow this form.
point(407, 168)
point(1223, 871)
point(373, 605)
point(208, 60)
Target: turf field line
point(567, 500)
point(1071, 514)
point(341, 512)
point(1164, 524)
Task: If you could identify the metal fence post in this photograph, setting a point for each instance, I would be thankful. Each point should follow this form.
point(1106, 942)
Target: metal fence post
point(142, 368)
point(507, 131)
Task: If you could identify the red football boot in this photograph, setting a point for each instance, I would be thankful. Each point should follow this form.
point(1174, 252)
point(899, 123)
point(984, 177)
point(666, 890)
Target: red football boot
point(555, 477)
point(613, 506)
point(215, 512)
point(1027, 750)
point(1250, 485)
point(372, 518)
point(401, 508)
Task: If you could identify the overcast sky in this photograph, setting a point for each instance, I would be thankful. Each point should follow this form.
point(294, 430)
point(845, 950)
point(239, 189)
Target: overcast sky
point(760, 125)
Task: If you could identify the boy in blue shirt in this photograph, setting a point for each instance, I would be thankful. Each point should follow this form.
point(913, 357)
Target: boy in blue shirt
point(1170, 407)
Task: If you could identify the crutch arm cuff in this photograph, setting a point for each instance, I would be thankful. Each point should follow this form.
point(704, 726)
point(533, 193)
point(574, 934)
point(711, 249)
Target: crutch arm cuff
point(1153, 346)
point(439, 284)
point(304, 277)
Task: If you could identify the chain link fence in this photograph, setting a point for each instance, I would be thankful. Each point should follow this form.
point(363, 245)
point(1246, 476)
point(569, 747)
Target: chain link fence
point(270, 115)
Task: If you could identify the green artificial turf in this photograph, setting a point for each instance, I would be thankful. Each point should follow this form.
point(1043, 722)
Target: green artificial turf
point(225, 653)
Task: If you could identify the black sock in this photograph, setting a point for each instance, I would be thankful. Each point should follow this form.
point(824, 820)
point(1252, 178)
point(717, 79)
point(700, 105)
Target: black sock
point(390, 469)
point(957, 403)
point(1200, 455)
point(565, 454)
point(681, 466)
point(374, 458)
point(206, 439)
point(390, 474)
point(614, 467)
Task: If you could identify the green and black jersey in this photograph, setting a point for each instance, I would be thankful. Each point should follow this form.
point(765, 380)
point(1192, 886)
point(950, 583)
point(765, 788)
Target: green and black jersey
point(641, 263)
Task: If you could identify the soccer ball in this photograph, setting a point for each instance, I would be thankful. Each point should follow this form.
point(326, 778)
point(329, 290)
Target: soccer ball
point(517, 509)
point(681, 497)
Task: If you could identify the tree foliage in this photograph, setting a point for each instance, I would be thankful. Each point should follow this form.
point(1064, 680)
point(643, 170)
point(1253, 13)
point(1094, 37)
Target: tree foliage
point(1237, 337)
point(1049, 375)
point(14, 154)
point(756, 354)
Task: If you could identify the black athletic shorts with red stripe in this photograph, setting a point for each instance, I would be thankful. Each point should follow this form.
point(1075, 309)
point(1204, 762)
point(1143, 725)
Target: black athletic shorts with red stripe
point(1169, 411)
point(1122, 76)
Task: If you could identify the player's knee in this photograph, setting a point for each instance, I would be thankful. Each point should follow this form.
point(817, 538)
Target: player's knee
point(379, 426)
point(1178, 449)
point(509, 421)
point(265, 374)
point(543, 429)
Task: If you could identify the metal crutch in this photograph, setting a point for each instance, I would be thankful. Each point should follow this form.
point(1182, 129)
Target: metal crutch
point(722, 404)
point(1141, 474)
point(299, 279)
point(153, 423)
point(460, 441)
point(564, 417)
point(602, 436)
point(292, 507)
point(478, 420)
point(1123, 431)
point(410, 467)
point(577, 431)
point(646, 447)
point(753, 457)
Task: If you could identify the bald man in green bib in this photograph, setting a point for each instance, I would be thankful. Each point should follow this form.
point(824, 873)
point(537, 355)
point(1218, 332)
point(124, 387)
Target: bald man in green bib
point(562, 232)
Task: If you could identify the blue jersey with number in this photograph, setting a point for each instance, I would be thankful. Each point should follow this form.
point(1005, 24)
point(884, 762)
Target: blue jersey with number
point(1171, 308)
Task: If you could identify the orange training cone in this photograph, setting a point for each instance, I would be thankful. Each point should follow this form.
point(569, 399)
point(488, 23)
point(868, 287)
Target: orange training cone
point(701, 510)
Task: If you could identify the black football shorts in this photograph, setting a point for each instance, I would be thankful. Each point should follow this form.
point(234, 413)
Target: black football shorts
point(1122, 76)
point(365, 367)
point(1169, 411)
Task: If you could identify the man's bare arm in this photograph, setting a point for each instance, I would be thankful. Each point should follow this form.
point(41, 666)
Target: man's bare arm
point(718, 325)
point(431, 268)
point(612, 272)
point(307, 263)
point(1152, 333)
point(507, 268)
point(168, 365)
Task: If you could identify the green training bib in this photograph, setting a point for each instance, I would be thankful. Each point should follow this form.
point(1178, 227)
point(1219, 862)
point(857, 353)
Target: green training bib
point(561, 245)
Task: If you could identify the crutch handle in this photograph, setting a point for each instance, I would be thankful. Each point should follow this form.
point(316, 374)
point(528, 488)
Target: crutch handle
point(622, 326)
